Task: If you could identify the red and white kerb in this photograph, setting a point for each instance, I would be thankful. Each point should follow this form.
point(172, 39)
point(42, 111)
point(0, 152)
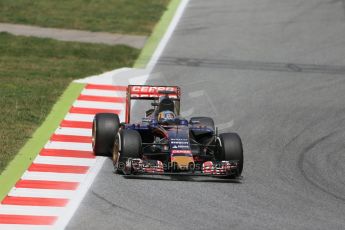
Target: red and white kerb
point(50, 190)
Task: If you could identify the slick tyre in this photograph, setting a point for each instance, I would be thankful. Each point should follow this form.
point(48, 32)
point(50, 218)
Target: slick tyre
point(129, 147)
point(229, 148)
point(104, 129)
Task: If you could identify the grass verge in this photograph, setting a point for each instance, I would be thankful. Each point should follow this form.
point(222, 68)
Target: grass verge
point(41, 136)
point(120, 16)
point(35, 72)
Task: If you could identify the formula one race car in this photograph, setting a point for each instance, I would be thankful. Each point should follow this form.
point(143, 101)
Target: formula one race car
point(164, 143)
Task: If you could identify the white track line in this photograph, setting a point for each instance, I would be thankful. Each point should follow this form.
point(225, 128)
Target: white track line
point(98, 105)
point(64, 161)
point(31, 210)
point(68, 146)
point(66, 177)
point(25, 227)
point(79, 117)
point(158, 52)
point(43, 193)
point(74, 131)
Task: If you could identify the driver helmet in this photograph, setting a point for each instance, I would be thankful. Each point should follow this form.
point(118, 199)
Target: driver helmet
point(166, 115)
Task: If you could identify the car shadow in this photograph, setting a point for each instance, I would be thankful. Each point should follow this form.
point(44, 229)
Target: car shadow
point(185, 179)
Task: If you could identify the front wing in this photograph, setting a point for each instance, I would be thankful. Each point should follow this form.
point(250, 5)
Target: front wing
point(137, 166)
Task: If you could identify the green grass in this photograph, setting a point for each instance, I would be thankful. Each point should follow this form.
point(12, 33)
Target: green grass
point(40, 137)
point(156, 36)
point(34, 72)
point(120, 16)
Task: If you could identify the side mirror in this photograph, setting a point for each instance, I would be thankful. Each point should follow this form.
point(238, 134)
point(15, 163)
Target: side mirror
point(149, 112)
point(155, 104)
point(194, 122)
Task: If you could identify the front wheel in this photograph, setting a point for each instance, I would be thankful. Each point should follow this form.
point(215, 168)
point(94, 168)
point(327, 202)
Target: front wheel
point(229, 148)
point(127, 145)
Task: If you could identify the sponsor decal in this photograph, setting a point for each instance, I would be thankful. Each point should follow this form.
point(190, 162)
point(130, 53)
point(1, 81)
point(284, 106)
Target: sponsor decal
point(180, 147)
point(179, 139)
point(151, 91)
point(181, 151)
point(180, 142)
point(151, 95)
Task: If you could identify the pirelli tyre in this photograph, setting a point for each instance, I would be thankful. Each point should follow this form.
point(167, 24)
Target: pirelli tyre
point(204, 137)
point(104, 129)
point(229, 148)
point(127, 145)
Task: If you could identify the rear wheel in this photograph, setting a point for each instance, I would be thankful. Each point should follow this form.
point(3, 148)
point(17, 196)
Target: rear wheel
point(127, 145)
point(104, 129)
point(229, 148)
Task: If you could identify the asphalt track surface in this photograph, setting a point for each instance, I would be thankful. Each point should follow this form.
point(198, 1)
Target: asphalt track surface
point(274, 71)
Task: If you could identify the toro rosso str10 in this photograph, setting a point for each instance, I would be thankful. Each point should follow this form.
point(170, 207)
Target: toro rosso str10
point(163, 142)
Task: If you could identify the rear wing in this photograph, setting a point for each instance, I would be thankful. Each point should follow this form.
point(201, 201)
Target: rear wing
point(150, 92)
